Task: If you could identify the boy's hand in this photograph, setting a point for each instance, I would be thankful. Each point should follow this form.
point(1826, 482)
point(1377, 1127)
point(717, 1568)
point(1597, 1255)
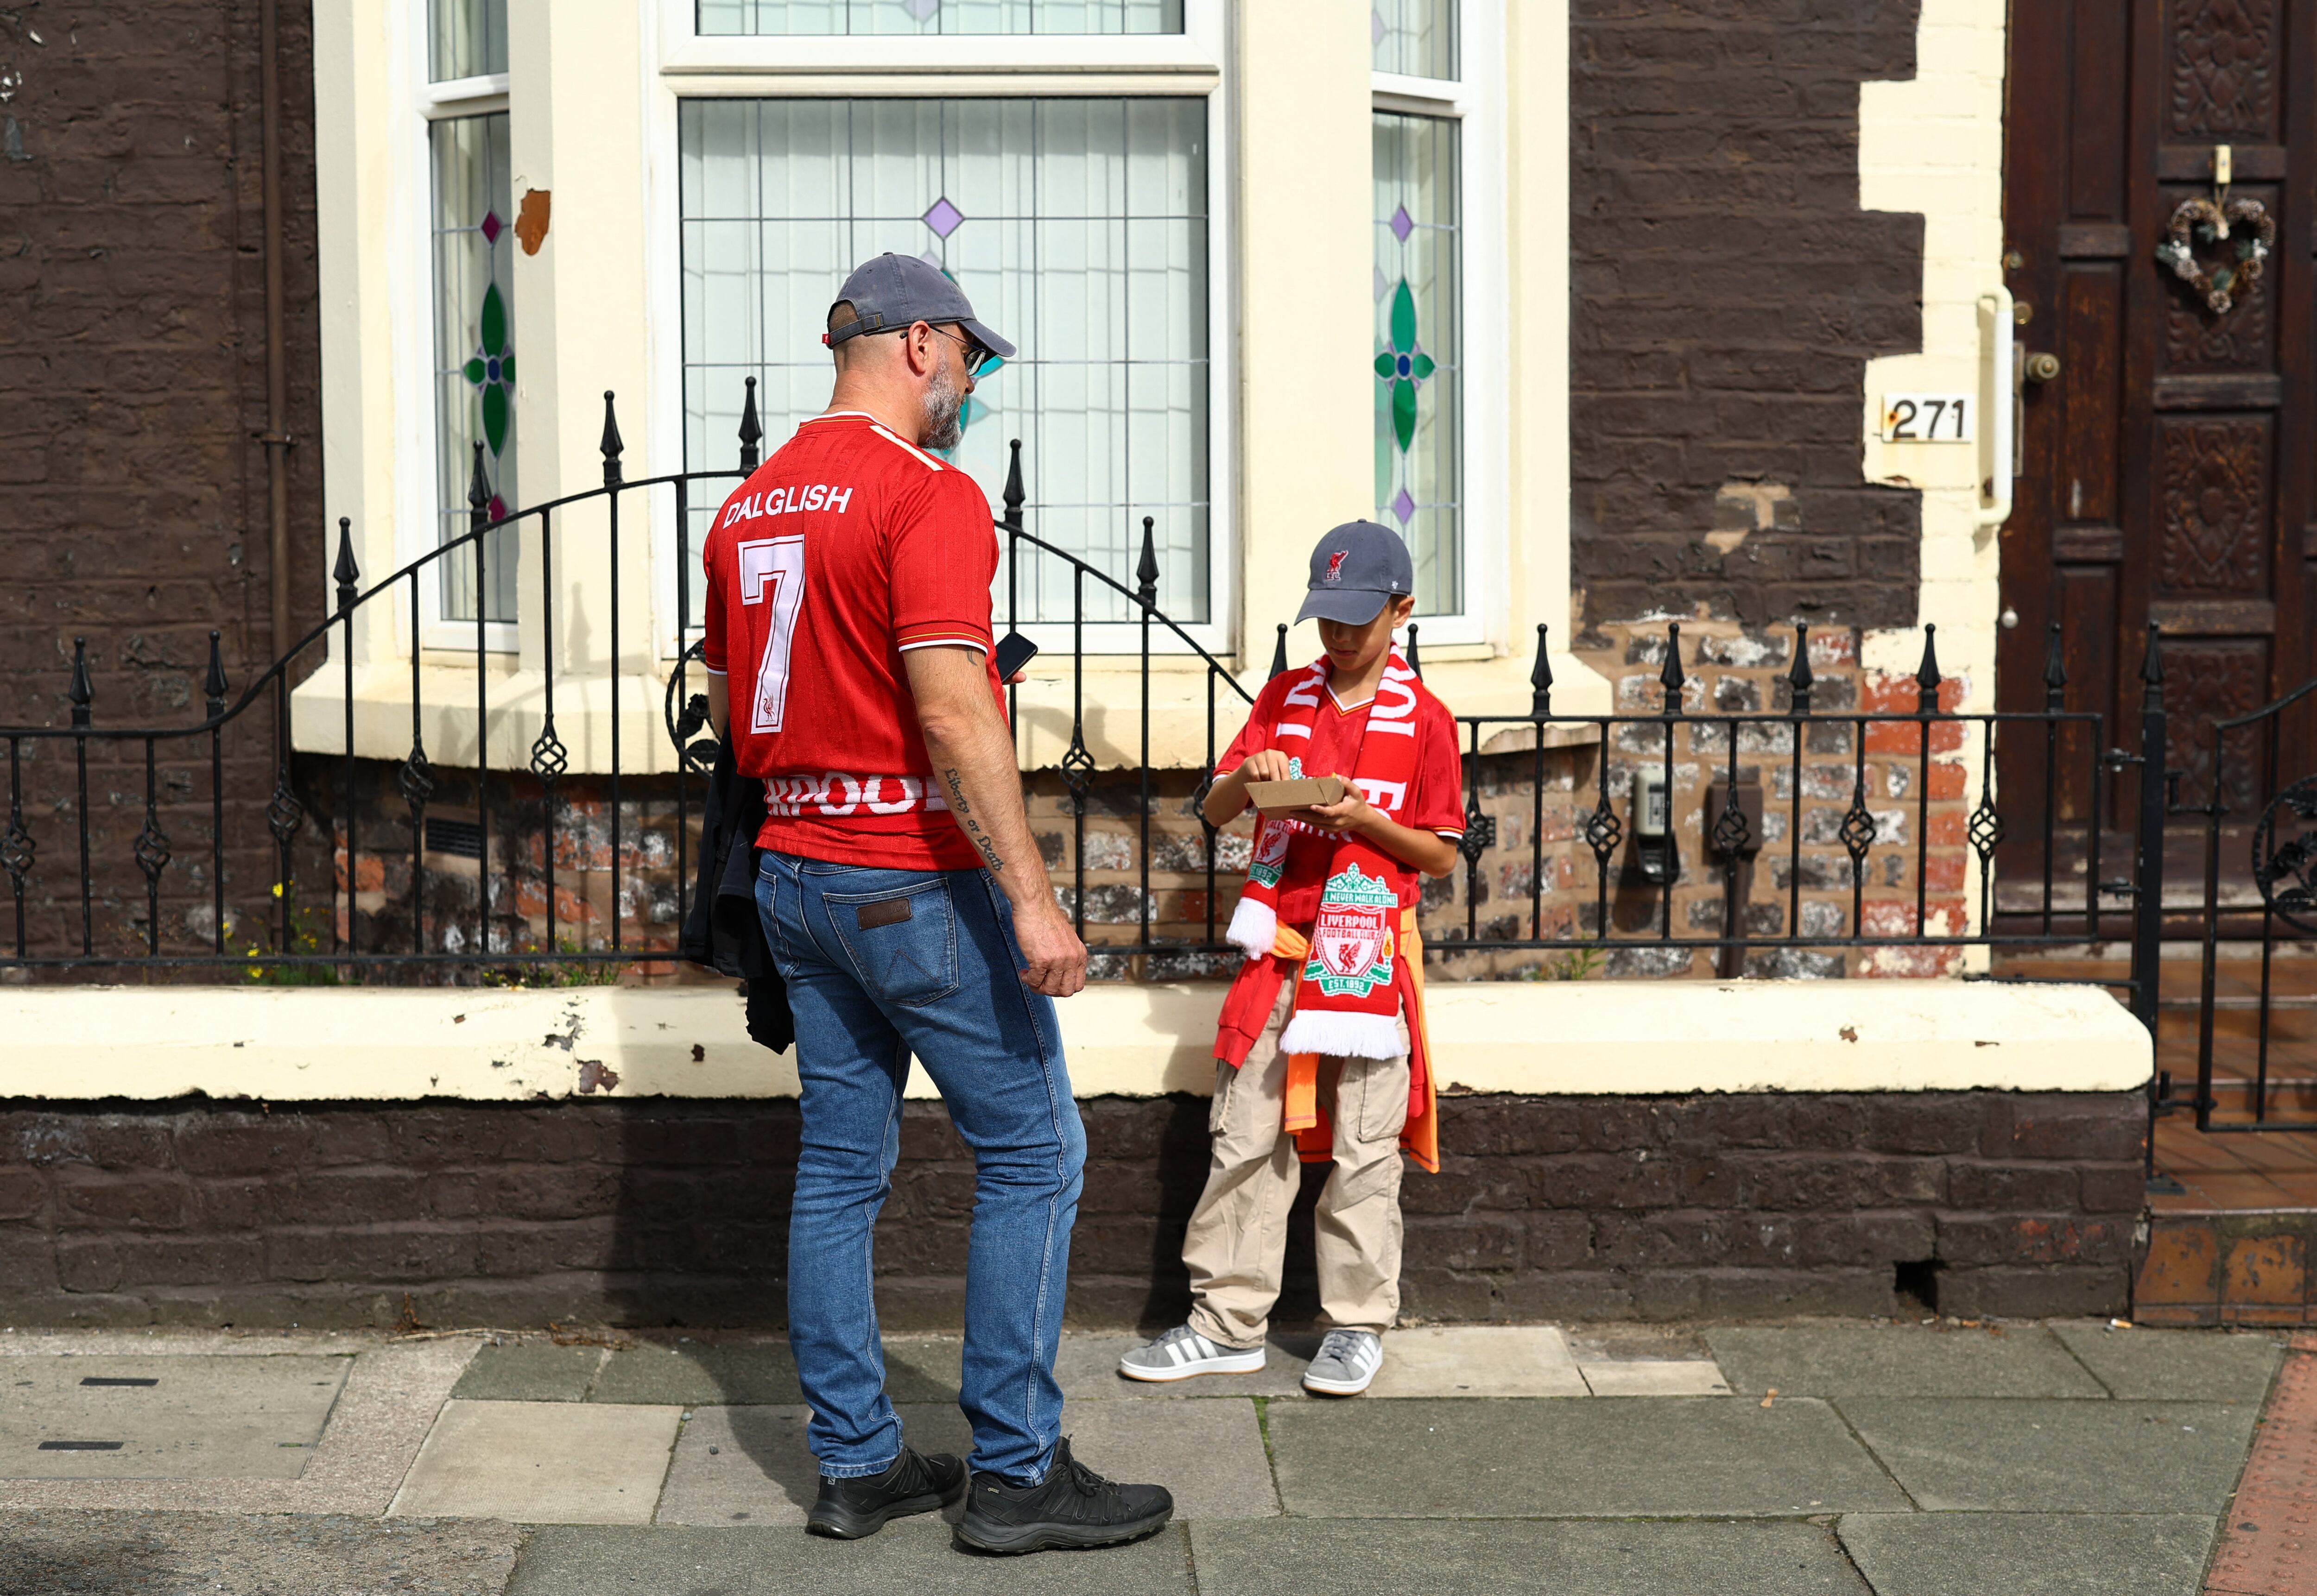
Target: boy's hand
point(1265, 764)
point(1349, 813)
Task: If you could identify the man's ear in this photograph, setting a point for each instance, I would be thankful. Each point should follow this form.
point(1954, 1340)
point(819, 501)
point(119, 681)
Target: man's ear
point(917, 349)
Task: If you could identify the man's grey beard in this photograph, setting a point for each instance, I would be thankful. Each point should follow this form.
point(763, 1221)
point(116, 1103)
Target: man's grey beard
point(944, 414)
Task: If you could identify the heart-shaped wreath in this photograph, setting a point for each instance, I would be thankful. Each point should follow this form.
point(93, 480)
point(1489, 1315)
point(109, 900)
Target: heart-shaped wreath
point(2211, 223)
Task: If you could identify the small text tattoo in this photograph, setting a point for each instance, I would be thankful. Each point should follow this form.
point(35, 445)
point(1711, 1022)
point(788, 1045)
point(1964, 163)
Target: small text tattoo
point(964, 813)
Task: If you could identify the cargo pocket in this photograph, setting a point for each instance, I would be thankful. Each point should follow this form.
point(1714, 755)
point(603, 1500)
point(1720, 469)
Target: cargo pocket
point(902, 941)
point(1225, 1075)
point(1383, 1090)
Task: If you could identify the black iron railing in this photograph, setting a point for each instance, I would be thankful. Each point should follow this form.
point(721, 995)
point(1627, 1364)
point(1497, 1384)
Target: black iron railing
point(1635, 834)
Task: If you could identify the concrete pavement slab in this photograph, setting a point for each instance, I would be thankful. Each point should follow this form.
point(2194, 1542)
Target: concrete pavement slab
point(1657, 1377)
point(2049, 1554)
point(541, 1463)
point(1478, 1360)
point(2015, 1456)
point(103, 1552)
point(1899, 1360)
point(923, 1368)
point(530, 1371)
point(1613, 1456)
point(1087, 1368)
point(752, 1464)
point(2175, 1365)
point(911, 1554)
point(202, 1417)
point(692, 1374)
point(382, 1418)
point(1520, 1559)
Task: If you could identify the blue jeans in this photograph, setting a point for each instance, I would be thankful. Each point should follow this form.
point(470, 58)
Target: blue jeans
point(883, 964)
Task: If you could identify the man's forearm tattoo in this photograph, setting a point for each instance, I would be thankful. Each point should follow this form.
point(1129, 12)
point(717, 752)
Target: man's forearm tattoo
point(964, 812)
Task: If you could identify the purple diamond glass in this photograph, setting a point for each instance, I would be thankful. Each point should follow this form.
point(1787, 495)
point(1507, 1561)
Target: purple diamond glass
point(491, 227)
point(942, 217)
point(1403, 223)
point(1402, 506)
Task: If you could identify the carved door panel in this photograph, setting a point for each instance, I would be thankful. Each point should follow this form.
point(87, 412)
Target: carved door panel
point(2167, 464)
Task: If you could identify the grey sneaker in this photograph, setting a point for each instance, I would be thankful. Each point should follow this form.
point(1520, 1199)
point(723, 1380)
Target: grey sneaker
point(1347, 1361)
point(1183, 1352)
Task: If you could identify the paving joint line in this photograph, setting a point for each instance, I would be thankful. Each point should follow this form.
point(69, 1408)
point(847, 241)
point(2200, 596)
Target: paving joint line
point(1834, 1406)
point(2077, 1359)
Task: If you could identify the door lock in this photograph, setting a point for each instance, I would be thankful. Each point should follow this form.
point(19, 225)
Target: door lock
point(2040, 366)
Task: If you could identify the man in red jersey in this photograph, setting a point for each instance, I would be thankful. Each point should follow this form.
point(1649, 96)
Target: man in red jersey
point(849, 638)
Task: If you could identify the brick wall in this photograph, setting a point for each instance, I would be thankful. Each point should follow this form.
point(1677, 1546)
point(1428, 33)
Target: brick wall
point(1728, 291)
point(133, 496)
point(655, 1211)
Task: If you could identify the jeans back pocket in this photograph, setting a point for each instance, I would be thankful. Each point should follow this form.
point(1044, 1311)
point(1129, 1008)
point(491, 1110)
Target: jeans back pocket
point(902, 940)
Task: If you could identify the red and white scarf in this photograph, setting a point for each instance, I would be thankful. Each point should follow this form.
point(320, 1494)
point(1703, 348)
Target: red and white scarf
point(1346, 995)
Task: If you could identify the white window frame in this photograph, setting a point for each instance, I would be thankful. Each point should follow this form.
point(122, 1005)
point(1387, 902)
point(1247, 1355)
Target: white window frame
point(1189, 64)
point(1476, 102)
point(416, 516)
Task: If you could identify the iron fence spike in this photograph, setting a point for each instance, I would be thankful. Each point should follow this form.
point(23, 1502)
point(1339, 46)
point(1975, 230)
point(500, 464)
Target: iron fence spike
point(213, 685)
point(752, 431)
point(1146, 569)
point(2151, 664)
point(1927, 675)
point(1540, 679)
point(1671, 678)
point(1800, 680)
point(82, 692)
point(611, 446)
point(479, 495)
point(1014, 496)
point(346, 573)
point(2055, 670)
point(1279, 653)
point(1415, 660)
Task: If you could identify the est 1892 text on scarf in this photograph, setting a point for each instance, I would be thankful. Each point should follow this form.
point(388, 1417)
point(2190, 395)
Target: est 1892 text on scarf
point(1346, 999)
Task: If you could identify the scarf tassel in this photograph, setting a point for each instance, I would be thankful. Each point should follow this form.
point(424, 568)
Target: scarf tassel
point(1343, 1033)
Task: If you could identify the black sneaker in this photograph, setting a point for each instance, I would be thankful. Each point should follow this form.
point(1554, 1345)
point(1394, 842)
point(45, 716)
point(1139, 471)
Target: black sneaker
point(1072, 1506)
point(851, 1509)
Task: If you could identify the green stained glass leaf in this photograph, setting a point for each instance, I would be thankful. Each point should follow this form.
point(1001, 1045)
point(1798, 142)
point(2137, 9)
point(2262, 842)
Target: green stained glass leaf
point(507, 366)
point(1403, 317)
point(494, 321)
point(1422, 366)
point(474, 369)
point(1403, 414)
point(495, 418)
point(1386, 365)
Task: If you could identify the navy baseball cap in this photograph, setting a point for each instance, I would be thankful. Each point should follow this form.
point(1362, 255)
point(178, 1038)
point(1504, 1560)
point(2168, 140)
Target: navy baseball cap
point(1356, 569)
point(893, 291)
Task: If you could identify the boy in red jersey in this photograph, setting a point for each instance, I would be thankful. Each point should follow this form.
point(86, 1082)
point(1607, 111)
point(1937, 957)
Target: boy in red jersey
point(905, 904)
point(1321, 1052)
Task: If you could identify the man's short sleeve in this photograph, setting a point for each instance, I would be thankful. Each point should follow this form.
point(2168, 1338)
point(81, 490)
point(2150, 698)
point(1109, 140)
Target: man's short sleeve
point(711, 640)
point(1437, 804)
point(943, 557)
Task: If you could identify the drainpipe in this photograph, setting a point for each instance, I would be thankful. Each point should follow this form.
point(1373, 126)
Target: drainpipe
point(276, 436)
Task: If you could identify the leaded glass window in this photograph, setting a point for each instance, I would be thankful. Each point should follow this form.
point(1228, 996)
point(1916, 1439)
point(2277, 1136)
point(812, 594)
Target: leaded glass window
point(1418, 350)
point(1078, 228)
point(1416, 38)
point(940, 16)
point(466, 38)
point(474, 352)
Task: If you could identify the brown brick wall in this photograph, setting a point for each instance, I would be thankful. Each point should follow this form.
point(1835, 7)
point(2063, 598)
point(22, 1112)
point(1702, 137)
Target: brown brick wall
point(653, 1211)
point(133, 497)
point(1728, 290)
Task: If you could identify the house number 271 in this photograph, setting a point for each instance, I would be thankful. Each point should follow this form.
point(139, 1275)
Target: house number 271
point(1927, 418)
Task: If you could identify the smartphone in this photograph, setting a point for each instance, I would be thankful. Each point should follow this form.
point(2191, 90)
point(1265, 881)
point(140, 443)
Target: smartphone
point(1014, 652)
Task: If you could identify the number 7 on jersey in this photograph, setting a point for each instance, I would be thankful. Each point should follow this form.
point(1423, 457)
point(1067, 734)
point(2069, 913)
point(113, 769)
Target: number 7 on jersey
point(772, 571)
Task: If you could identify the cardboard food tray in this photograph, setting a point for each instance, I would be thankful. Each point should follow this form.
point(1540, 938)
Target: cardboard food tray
point(1277, 798)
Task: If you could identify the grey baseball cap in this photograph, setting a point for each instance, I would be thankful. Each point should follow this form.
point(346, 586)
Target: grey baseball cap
point(893, 291)
point(1355, 569)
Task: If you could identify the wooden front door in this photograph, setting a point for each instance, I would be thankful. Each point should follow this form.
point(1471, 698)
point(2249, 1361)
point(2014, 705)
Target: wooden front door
point(2166, 461)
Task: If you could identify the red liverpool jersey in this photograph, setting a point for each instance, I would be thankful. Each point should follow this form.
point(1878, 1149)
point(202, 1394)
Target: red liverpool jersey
point(844, 550)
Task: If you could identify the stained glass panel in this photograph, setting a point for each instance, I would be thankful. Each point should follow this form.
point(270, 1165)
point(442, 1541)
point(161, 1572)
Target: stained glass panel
point(474, 352)
point(1418, 351)
point(465, 39)
point(940, 16)
point(1078, 228)
point(1414, 36)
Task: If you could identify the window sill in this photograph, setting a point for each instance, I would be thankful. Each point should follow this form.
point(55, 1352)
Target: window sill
point(517, 700)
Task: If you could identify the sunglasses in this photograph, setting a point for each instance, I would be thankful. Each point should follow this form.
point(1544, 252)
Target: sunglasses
point(976, 357)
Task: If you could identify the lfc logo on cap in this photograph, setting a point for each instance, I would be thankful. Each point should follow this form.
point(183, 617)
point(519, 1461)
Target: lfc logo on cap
point(1336, 566)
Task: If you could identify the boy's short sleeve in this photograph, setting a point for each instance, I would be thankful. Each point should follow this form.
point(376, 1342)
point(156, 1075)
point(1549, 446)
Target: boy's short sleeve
point(1250, 732)
point(1437, 804)
point(942, 558)
point(712, 633)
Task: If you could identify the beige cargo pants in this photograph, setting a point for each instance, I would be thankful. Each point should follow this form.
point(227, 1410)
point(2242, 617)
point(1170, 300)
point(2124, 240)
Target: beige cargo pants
point(1236, 1248)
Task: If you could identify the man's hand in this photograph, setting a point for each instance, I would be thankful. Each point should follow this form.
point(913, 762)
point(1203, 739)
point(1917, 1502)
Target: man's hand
point(1057, 959)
